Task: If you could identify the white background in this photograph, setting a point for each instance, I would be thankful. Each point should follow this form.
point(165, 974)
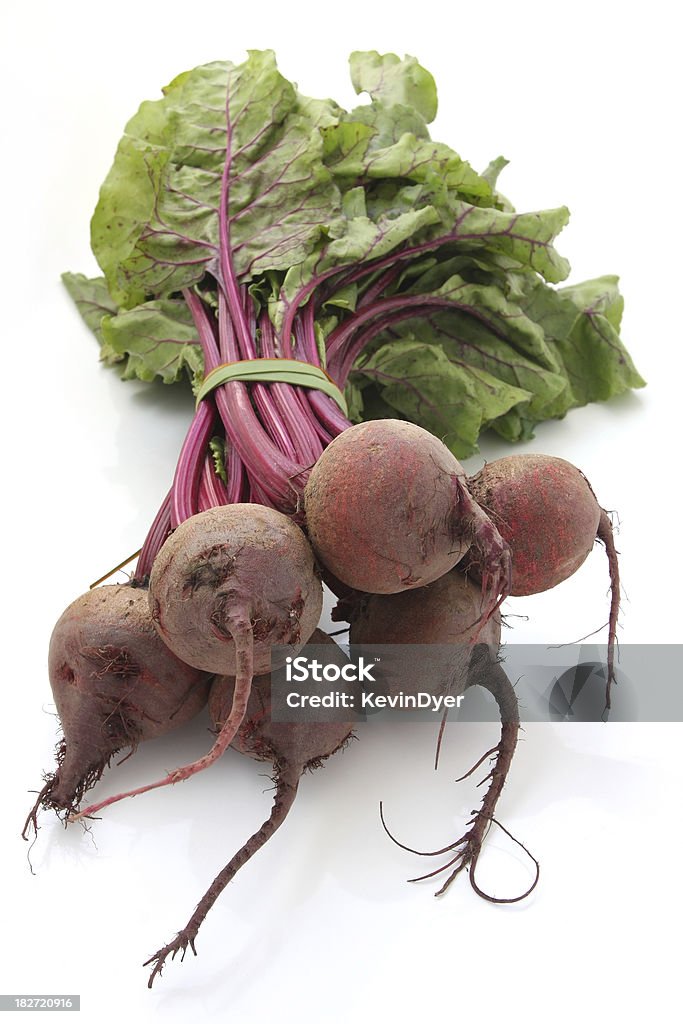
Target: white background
point(320, 926)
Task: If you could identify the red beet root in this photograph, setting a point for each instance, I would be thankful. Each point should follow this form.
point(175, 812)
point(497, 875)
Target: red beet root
point(445, 612)
point(228, 585)
point(115, 683)
point(387, 510)
point(548, 514)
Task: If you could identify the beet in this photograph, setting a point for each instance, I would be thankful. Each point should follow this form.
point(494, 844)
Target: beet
point(443, 618)
point(444, 612)
point(387, 510)
point(115, 683)
point(229, 584)
point(230, 577)
point(548, 514)
point(291, 747)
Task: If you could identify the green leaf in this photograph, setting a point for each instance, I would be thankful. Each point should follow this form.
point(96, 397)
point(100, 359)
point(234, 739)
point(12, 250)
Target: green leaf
point(217, 449)
point(452, 401)
point(353, 394)
point(491, 175)
point(344, 298)
point(156, 339)
point(349, 152)
point(393, 198)
point(594, 357)
point(600, 295)
point(502, 317)
point(318, 113)
point(468, 342)
point(513, 426)
point(352, 238)
point(380, 126)
point(127, 199)
point(92, 300)
point(526, 237)
point(493, 170)
point(155, 229)
point(390, 80)
point(374, 407)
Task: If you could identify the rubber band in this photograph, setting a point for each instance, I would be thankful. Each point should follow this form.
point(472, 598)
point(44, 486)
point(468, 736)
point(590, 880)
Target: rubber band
point(270, 371)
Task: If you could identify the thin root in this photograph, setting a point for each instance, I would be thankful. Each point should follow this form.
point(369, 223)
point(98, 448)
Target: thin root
point(65, 810)
point(439, 739)
point(409, 849)
point(286, 783)
point(489, 753)
point(32, 817)
point(494, 680)
point(471, 857)
point(606, 536)
point(179, 945)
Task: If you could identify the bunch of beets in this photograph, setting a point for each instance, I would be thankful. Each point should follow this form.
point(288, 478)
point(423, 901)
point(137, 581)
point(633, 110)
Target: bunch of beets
point(275, 493)
point(416, 551)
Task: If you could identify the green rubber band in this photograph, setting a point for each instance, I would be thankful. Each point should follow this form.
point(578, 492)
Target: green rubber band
point(280, 371)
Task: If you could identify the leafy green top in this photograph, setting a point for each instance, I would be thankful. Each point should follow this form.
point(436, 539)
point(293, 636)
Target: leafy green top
point(431, 297)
